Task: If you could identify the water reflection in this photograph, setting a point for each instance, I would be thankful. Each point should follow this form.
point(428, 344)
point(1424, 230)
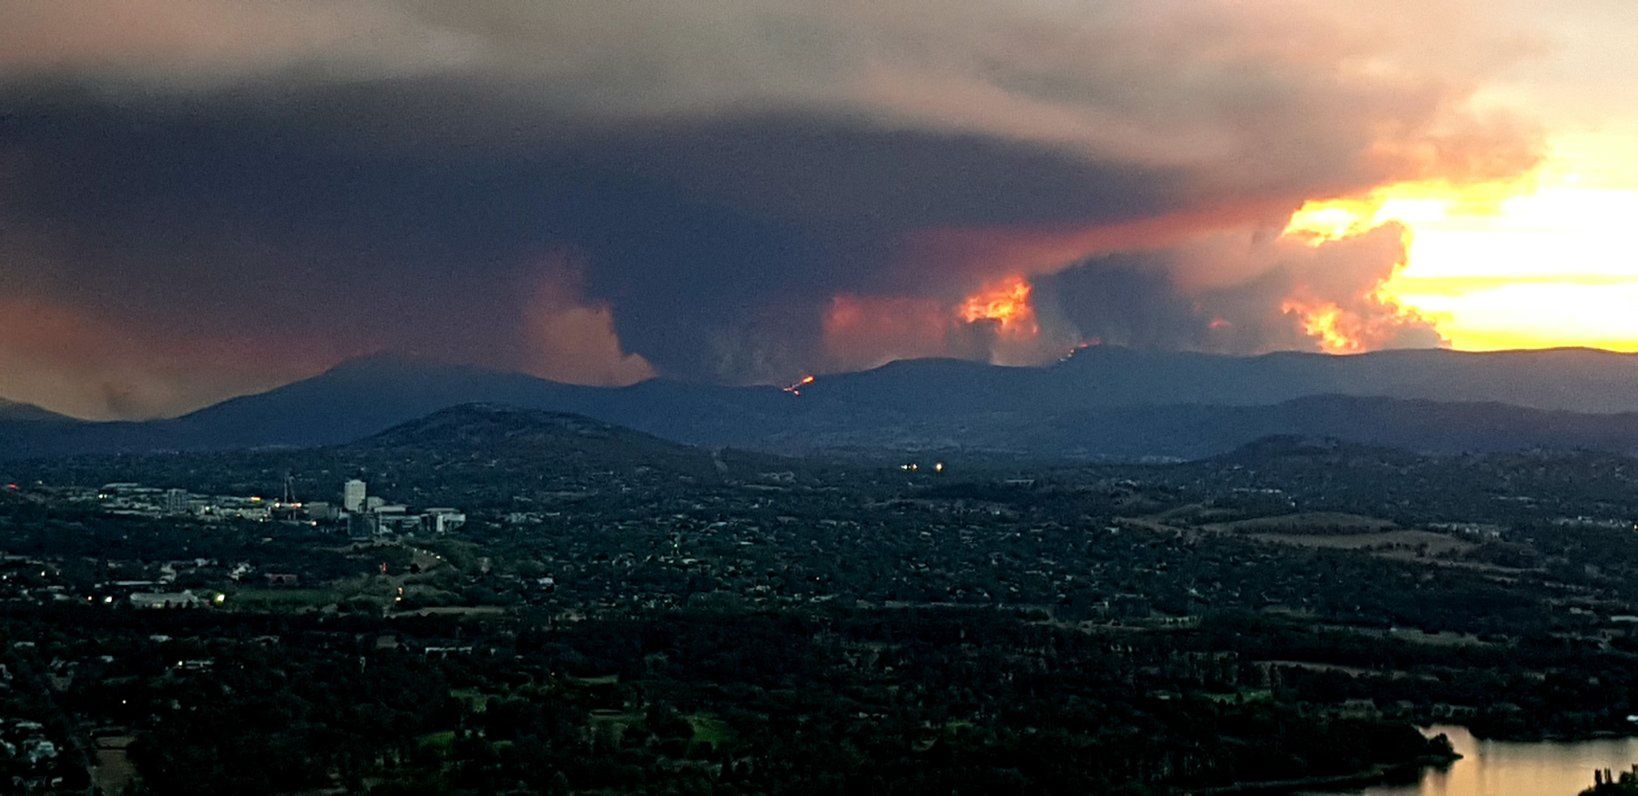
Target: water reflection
point(1506, 768)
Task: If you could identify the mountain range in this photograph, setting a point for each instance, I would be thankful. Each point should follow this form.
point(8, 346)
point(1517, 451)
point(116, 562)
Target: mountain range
point(1103, 401)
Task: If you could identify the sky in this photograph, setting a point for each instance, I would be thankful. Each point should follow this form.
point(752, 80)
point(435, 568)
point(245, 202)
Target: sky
point(204, 198)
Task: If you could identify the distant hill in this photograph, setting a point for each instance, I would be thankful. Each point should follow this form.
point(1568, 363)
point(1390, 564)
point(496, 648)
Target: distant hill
point(1570, 379)
point(488, 454)
point(1412, 425)
point(1189, 431)
point(355, 399)
point(26, 429)
point(364, 396)
point(1104, 401)
point(498, 437)
point(17, 412)
point(468, 455)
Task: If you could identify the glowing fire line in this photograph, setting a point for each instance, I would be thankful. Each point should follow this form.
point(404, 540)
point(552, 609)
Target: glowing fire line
point(795, 388)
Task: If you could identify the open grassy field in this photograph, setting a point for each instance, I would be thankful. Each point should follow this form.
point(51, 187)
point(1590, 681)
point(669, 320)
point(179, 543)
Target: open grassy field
point(113, 771)
point(438, 740)
point(472, 696)
point(1434, 544)
point(1310, 522)
point(709, 729)
point(455, 610)
point(604, 679)
point(284, 598)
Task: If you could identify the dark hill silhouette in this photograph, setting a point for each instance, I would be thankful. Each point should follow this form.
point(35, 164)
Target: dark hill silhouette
point(1104, 401)
point(363, 396)
point(497, 451)
point(470, 455)
point(16, 412)
point(28, 430)
point(505, 437)
point(1570, 379)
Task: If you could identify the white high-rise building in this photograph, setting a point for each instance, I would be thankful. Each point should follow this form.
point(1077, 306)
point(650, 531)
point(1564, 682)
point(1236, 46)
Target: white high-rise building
point(353, 494)
point(176, 501)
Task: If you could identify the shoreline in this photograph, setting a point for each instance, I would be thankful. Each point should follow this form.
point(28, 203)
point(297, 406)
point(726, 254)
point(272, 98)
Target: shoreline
point(1596, 735)
point(1386, 773)
point(1374, 775)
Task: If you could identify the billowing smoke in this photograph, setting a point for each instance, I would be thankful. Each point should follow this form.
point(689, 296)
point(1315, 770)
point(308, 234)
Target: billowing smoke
point(234, 194)
point(1234, 293)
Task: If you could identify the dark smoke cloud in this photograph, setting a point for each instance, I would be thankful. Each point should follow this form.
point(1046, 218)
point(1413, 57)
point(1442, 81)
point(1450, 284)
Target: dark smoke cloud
point(212, 197)
point(1156, 299)
point(1124, 299)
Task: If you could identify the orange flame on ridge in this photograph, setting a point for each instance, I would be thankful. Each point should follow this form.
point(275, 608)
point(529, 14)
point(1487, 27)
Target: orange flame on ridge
point(795, 388)
point(1006, 302)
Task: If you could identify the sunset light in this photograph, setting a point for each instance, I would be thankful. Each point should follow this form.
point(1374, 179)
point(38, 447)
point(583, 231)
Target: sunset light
point(1538, 262)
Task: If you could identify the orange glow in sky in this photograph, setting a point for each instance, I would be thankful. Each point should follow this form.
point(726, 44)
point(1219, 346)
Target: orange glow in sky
point(1540, 262)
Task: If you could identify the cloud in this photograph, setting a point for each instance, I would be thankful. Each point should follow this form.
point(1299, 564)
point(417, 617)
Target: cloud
point(1238, 293)
point(573, 340)
point(732, 181)
point(205, 44)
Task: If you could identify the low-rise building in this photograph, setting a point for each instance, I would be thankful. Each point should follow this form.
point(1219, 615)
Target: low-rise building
point(181, 599)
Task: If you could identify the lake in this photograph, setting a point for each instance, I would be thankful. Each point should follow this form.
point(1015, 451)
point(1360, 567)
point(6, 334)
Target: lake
point(1509, 768)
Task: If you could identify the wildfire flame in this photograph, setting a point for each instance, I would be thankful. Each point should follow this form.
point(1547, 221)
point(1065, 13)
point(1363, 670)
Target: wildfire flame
point(1346, 327)
point(795, 388)
point(1081, 346)
point(1340, 330)
point(1006, 302)
point(1324, 322)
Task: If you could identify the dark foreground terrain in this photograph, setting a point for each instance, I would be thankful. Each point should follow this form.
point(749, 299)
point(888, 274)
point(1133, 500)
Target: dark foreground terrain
point(622, 614)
